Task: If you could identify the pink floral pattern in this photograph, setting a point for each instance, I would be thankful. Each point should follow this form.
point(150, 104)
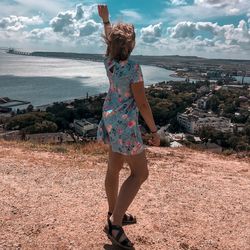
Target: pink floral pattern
point(119, 124)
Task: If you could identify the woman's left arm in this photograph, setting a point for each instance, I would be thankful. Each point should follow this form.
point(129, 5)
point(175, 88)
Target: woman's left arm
point(104, 14)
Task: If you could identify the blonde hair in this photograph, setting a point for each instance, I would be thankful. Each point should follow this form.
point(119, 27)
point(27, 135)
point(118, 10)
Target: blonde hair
point(120, 41)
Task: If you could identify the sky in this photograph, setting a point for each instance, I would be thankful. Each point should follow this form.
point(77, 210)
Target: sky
point(204, 28)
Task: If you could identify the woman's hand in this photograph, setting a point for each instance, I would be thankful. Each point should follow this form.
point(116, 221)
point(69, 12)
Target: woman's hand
point(155, 140)
point(103, 12)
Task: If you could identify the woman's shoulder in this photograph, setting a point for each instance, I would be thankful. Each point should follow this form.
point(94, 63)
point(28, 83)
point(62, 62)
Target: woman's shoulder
point(133, 62)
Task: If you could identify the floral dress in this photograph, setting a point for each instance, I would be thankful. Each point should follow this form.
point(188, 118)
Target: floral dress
point(119, 124)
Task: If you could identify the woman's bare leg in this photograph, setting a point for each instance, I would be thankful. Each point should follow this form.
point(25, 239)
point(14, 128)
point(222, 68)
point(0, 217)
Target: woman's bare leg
point(115, 163)
point(130, 187)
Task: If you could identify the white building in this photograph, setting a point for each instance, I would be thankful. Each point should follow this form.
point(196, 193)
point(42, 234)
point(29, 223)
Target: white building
point(83, 126)
point(187, 122)
point(194, 121)
point(219, 123)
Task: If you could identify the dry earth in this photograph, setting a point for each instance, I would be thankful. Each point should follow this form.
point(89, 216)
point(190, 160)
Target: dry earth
point(53, 197)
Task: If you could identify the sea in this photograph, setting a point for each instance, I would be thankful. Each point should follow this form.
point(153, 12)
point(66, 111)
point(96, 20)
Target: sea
point(43, 80)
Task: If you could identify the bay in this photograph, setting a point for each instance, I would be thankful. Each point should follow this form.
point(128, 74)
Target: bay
point(43, 80)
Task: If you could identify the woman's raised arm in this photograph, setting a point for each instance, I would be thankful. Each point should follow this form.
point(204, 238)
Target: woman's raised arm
point(104, 14)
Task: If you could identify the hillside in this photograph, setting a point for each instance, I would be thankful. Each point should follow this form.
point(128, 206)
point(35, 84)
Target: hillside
point(53, 197)
point(166, 61)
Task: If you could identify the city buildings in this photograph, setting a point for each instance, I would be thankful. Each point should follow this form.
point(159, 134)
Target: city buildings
point(194, 119)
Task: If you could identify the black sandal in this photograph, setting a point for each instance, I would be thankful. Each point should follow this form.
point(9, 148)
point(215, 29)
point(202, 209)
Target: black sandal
point(126, 243)
point(128, 219)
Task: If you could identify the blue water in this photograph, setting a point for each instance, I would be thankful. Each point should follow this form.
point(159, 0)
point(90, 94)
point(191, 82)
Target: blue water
point(42, 80)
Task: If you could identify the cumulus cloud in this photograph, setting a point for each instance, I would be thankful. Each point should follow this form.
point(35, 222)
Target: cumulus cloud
point(89, 27)
point(182, 30)
point(206, 39)
point(64, 23)
point(229, 33)
point(79, 14)
point(40, 34)
point(75, 23)
point(239, 36)
point(151, 33)
point(16, 23)
point(70, 29)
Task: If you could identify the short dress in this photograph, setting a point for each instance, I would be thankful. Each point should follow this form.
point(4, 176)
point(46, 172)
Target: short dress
point(119, 125)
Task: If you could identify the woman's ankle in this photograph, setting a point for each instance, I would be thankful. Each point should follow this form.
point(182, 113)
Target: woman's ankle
point(115, 222)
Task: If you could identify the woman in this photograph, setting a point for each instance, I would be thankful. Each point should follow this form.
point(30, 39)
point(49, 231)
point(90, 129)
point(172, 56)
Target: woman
point(119, 126)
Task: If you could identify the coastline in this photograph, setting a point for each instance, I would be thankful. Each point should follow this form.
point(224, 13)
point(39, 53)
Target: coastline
point(170, 75)
point(50, 80)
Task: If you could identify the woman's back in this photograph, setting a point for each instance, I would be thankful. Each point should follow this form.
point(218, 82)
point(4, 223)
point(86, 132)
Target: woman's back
point(121, 75)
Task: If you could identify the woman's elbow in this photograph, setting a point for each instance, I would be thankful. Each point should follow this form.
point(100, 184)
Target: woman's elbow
point(142, 106)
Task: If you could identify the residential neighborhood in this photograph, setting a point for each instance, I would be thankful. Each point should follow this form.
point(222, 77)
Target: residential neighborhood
point(199, 108)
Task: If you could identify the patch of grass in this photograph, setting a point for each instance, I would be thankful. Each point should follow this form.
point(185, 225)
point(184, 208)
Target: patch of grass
point(94, 148)
point(228, 152)
point(87, 148)
point(59, 149)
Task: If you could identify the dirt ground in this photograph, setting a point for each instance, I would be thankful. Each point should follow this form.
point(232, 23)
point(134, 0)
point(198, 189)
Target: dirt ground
point(55, 199)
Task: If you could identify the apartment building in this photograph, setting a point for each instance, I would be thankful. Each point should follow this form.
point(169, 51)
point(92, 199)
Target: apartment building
point(83, 126)
point(193, 121)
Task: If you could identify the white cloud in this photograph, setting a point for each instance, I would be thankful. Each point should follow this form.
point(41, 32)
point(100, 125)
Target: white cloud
point(131, 15)
point(238, 36)
point(178, 2)
point(151, 33)
point(228, 32)
point(205, 39)
point(197, 46)
point(79, 14)
point(76, 23)
point(217, 3)
point(205, 10)
point(40, 34)
point(79, 30)
point(15, 23)
point(182, 30)
point(248, 15)
point(232, 7)
point(89, 27)
point(68, 30)
point(47, 6)
point(63, 21)
point(233, 11)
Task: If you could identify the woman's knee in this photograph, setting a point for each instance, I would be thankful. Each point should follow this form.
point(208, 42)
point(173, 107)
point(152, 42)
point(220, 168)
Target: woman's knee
point(142, 174)
point(139, 166)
